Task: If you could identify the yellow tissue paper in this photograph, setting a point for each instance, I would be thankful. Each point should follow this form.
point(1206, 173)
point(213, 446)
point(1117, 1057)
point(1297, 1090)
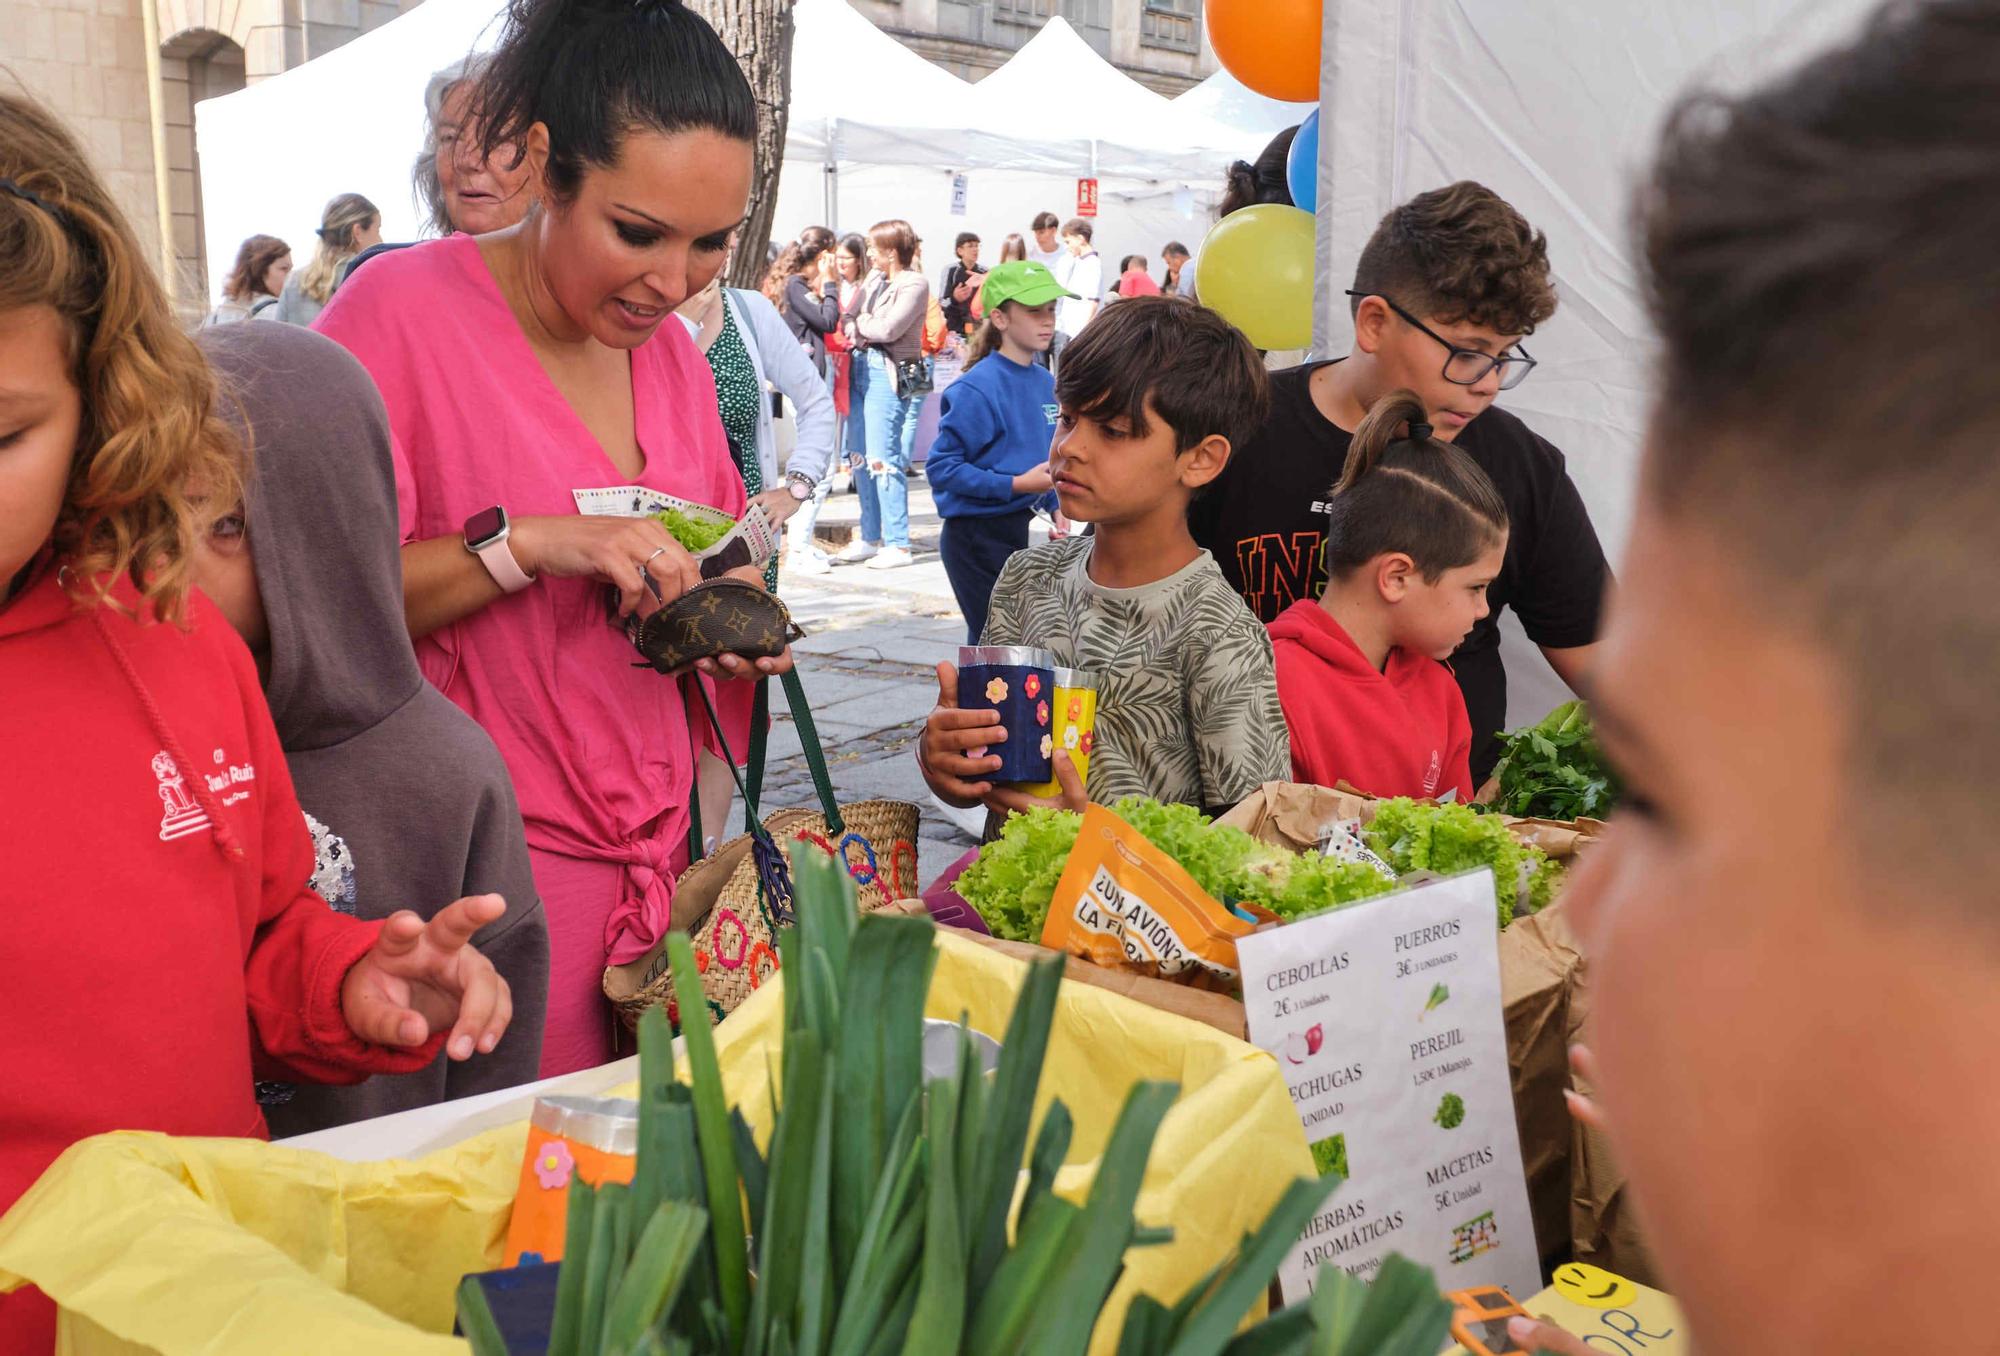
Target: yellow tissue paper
point(151, 1244)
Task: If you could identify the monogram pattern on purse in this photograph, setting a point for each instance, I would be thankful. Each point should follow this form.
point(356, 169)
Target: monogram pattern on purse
point(722, 616)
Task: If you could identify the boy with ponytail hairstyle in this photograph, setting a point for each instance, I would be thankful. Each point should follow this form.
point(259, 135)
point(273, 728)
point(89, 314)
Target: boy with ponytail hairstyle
point(1416, 533)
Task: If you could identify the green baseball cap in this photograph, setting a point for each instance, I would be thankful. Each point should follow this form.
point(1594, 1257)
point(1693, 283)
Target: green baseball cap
point(1023, 281)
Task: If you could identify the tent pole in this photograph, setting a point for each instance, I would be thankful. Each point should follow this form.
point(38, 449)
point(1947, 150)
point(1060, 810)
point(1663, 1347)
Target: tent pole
point(1323, 285)
point(832, 183)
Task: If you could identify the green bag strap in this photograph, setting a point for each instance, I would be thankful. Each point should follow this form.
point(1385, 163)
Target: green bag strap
point(802, 717)
point(752, 785)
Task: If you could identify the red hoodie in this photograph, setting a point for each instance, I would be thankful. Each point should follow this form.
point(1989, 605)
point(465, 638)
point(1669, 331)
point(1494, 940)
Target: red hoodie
point(159, 949)
point(1401, 732)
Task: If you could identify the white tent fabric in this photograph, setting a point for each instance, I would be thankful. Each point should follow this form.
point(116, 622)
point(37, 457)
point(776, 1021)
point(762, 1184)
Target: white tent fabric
point(1558, 115)
point(1224, 99)
point(1057, 89)
point(862, 103)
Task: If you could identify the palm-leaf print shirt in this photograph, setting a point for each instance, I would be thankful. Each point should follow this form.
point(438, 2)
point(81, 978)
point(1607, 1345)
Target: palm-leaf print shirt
point(1187, 697)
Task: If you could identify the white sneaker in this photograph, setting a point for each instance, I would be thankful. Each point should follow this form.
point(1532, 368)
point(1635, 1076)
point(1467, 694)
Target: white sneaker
point(855, 552)
point(891, 558)
point(809, 562)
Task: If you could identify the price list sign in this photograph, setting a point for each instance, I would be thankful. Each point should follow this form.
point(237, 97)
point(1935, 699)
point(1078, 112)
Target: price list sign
point(1387, 1022)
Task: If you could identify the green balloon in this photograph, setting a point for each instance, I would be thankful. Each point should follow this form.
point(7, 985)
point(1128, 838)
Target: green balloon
point(1256, 269)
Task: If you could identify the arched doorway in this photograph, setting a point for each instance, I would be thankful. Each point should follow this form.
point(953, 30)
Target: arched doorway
point(196, 64)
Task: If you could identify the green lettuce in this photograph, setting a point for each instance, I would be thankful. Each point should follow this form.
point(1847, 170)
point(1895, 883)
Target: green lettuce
point(1014, 879)
point(1449, 839)
point(695, 533)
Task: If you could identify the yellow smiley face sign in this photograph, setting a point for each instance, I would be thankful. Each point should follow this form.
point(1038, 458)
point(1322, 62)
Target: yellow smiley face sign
point(1593, 1287)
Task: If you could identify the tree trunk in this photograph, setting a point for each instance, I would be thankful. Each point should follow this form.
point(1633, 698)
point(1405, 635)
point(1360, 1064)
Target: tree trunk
point(759, 32)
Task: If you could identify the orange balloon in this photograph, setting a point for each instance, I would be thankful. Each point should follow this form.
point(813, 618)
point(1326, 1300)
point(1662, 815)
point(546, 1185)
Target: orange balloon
point(1270, 45)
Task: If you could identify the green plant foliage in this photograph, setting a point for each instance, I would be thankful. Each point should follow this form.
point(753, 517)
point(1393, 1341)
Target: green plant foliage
point(889, 1215)
point(1554, 770)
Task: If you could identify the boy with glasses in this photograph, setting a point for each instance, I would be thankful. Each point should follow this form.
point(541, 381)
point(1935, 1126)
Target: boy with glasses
point(1445, 291)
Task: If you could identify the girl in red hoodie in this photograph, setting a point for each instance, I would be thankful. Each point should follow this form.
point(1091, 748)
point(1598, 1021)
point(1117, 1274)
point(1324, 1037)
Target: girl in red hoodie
point(159, 948)
point(1417, 532)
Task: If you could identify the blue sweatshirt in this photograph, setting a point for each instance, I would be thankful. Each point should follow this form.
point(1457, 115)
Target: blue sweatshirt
point(998, 421)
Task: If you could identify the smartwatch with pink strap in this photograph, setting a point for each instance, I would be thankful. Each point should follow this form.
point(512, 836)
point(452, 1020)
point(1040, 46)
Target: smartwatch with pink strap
point(486, 537)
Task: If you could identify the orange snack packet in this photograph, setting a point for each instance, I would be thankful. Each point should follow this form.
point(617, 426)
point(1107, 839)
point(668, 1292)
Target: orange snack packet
point(1125, 905)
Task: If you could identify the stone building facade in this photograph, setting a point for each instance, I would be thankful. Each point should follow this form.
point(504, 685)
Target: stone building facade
point(1159, 43)
point(89, 61)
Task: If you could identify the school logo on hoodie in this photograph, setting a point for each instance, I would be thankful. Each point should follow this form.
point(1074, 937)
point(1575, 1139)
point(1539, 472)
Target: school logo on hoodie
point(181, 816)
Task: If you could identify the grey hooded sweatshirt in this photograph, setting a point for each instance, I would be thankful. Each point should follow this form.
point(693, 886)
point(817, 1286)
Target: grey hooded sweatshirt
point(409, 803)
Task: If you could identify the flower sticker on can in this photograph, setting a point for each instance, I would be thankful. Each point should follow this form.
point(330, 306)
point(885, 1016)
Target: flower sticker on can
point(554, 1164)
point(1016, 683)
point(1048, 746)
point(1072, 715)
point(1089, 738)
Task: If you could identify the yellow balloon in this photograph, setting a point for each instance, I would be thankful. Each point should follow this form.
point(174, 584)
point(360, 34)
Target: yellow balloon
point(1256, 269)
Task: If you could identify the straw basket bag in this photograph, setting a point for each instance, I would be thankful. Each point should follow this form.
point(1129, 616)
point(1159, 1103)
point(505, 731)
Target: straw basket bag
point(733, 902)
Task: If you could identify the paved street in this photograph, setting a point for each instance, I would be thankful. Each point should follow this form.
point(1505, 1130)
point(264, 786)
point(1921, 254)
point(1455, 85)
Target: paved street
point(874, 638)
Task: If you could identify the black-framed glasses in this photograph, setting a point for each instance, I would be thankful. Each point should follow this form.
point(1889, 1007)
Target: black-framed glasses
point(1467, 366)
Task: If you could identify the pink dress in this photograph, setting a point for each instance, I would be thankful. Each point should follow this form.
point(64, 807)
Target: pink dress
point(600, 751)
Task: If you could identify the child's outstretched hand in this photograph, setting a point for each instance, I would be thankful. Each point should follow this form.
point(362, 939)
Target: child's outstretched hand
point(1009, 801)
point(952, 752)
point(422, 977)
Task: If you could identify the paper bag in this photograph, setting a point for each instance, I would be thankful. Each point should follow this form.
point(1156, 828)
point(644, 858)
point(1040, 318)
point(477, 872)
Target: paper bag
point(1540, 966)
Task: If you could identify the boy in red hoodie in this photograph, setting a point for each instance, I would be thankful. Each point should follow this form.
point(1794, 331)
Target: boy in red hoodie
point(159, 948)
point(1416, 534)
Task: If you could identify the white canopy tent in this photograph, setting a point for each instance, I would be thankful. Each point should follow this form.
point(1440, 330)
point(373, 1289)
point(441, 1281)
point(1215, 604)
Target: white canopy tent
point(1224, 99)
point(875, 131)
point(1557, 112)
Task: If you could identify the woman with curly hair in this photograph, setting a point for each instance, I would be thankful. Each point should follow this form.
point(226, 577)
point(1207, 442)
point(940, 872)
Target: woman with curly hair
point(151, 835)
point(1444, 294)
point(262, 265)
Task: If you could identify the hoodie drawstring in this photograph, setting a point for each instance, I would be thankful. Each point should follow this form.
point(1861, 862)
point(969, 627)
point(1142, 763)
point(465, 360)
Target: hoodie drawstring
point(225, 837)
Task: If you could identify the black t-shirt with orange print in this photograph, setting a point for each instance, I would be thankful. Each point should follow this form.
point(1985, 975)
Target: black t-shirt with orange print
point(1265, 522)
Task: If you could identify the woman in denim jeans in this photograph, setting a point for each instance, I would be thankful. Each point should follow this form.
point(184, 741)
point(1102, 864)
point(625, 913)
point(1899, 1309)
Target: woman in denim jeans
point(889, 330)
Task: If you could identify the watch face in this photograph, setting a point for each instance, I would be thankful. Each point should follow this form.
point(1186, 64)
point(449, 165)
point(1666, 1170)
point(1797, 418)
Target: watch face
point(484, 525)
point(800, 490)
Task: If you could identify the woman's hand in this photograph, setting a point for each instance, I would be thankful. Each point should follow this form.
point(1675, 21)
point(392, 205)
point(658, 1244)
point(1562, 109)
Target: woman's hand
point(623, 552)
point(420, 978)
point(778, 505)
point(736, 665)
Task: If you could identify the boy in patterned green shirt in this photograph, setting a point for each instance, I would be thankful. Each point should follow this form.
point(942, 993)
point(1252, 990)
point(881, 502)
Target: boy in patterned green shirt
point(1154, 394)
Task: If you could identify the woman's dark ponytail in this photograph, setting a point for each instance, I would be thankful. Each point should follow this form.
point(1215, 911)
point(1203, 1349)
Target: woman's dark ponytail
point(1401, 489)
point(1239, 188)
point(591, 70)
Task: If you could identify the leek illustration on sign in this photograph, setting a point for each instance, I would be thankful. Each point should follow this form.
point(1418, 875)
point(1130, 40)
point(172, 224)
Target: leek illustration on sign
point(1386, 1018)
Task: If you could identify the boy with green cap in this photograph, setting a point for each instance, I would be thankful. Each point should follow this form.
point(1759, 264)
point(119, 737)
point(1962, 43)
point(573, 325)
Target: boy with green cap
point(989, 467)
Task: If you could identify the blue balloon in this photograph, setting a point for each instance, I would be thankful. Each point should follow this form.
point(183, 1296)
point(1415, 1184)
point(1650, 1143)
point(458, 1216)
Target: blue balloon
point(1302, 164)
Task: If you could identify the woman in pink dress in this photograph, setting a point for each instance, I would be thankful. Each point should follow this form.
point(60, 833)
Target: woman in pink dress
point(522, 367)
